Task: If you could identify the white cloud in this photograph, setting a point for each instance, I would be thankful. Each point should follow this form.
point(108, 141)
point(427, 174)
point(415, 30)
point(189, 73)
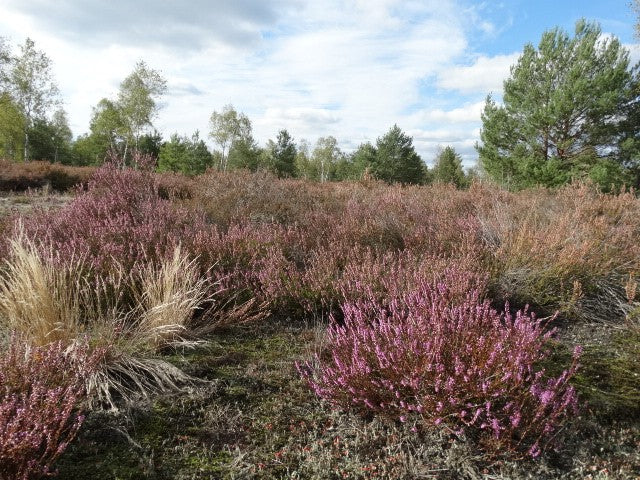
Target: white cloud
point(485, 75)
point(487, 27)
point(172, 25)
point(634, 52)
point(466, 114)
point(347, 68)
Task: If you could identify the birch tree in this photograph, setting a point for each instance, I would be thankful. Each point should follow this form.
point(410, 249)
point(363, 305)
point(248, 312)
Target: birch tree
point(138, 101)
point(32, 87)
point(226, 128)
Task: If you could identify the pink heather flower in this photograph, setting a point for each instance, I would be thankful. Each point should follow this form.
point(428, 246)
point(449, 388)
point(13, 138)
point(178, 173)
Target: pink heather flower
point(546, 397)
point(534, 451)
point(464, 332)
point(40, 388)
point(515, 419)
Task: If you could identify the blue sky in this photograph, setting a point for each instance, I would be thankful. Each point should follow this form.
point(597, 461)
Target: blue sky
point(347, 68)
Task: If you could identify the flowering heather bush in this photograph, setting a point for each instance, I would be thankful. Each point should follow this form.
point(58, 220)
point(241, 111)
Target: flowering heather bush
point(119, 220)
point(444, 360)
point(255, 240)
point(40, 388)
point(230, 197)
point(303, 246)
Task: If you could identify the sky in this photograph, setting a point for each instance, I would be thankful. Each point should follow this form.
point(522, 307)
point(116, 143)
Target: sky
point(347, 68)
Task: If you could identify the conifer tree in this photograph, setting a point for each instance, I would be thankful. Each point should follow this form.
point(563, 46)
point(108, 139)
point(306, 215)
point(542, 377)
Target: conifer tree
point(565, 113)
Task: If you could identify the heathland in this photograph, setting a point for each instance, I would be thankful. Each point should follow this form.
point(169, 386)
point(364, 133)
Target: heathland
point(237, 325)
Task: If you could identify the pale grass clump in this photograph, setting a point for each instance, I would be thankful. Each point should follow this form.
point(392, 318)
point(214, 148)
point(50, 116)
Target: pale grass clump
point(45, 300)
point(169, 293)
point(48, 300)
point(39, 298)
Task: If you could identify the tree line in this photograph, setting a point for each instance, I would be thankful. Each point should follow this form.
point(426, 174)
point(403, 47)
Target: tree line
point(570, 111)
point(33, 125)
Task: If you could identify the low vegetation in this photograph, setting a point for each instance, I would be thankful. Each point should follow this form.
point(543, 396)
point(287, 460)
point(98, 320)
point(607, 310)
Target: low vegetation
point(245, 326)
point(40, 390)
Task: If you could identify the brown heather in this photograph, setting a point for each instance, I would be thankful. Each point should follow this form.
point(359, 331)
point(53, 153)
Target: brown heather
point(17, 177)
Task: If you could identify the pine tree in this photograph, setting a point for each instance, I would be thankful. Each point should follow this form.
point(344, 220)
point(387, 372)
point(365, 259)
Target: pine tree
point(448, 168)
point(396, 160)
point(565, 112)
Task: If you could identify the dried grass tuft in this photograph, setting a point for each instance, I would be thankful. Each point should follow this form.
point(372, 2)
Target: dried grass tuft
point(38, 298)
point(168, 296)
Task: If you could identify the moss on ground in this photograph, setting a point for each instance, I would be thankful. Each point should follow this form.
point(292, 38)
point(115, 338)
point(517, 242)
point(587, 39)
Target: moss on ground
point(255, 418)
point(608, 380)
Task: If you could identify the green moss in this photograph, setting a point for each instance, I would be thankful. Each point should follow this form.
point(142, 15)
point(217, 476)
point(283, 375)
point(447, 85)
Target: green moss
point(608, 380)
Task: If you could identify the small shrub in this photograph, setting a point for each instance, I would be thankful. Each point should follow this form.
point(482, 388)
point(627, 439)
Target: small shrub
point(40, 388)
point(570, 251)
point(175, 186)
point(609, 377)
point(446, 361)
point(119, 221)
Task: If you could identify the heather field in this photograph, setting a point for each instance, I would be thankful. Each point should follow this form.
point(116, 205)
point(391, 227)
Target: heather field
point(236, 325)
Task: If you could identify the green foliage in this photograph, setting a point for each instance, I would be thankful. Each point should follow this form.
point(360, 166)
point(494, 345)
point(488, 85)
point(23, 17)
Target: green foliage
point(5, 58)
point(173, 155)
point(280, 156)
point(325, 156)
point(106, 129)
point(51, 140)
point(448, 168)
point(361, 160)
point(189, 156)
point(150, 143)
point(609, 175)
point(12, 127)
point(304, 167)
point(244, 153)
point(88, 149)
point(137, 100)
point(322, 164)
point(396, 160)
point(609, 377)
point(119, 124)
point(566, 110)
point(346, 169)
point(30, 83)
point(227, 128)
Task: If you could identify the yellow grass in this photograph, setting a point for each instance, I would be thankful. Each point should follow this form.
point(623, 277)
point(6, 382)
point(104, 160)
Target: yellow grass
point(168, 296)
point(39, 299)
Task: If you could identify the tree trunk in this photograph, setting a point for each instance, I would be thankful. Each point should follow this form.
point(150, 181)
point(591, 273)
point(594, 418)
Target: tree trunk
point(124, 156)
point(26, 144)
